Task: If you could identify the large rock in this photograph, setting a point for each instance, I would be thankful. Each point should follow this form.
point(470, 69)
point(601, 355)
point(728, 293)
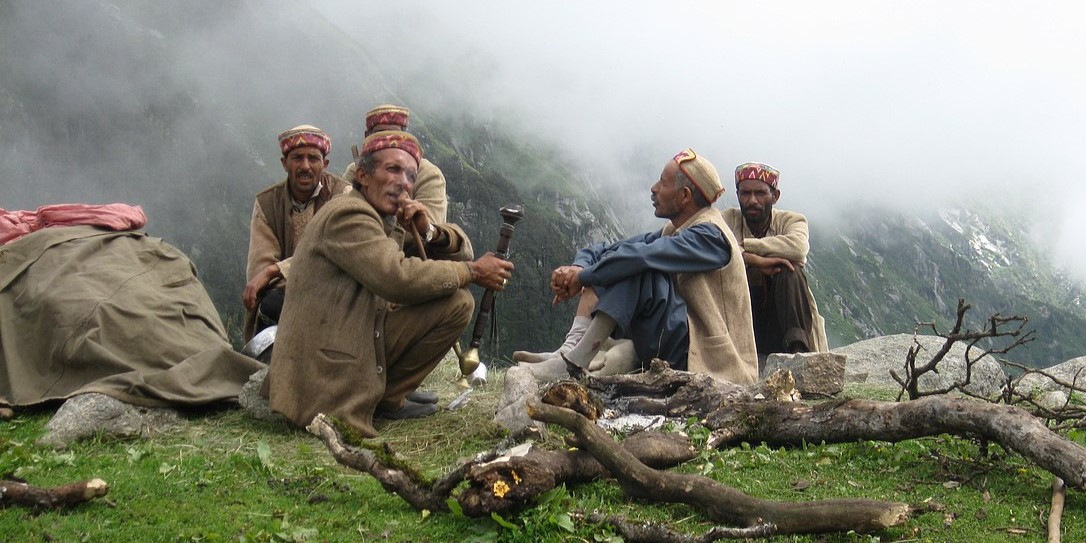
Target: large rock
point(1071, 372)
point(870, 361)
point(253, 403)
point(512, 414)
point(91, 414)
point(815, 374)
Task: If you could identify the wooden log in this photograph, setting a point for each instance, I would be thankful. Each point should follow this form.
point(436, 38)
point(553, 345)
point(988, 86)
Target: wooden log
point(25, 495)
point(792, 424)
point(720, 502)
point(512, 483)
point(1059, 495)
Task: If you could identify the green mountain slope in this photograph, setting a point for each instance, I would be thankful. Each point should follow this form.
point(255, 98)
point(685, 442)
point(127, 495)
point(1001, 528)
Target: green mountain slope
point(886, 271)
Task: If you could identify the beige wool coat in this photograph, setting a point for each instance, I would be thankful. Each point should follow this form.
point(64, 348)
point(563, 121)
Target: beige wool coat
point(718, 312)
point(348, 271)
point(787, 237)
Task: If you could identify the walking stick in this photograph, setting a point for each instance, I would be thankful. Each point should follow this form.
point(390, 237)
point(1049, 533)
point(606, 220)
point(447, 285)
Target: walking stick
point(469, 359)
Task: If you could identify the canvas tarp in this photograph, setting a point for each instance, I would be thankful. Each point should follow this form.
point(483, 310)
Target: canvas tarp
point(89, 310)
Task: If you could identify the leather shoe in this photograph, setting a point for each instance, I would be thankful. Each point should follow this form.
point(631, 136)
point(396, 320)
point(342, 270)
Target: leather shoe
point(410, 410)
point(422, 396)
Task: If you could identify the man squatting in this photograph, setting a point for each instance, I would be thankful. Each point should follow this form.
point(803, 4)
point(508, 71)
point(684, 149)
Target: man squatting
point(364, 324)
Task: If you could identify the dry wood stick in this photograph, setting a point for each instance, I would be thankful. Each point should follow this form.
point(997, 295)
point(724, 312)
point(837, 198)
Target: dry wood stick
point(720, 502)
point(18, 493)
point(1059, 494)
point(785, 424)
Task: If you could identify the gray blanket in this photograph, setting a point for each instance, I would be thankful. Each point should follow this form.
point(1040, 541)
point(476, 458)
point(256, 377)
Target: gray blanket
point(121, 313)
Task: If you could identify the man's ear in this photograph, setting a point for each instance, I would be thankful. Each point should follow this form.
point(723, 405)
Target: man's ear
point(283, 161)
point(776, 195)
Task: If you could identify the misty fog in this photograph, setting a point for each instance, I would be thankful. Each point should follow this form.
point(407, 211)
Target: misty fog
point(910, 105)
point(913, 105)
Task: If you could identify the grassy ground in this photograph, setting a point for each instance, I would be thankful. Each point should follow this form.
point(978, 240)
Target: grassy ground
point(225, 477)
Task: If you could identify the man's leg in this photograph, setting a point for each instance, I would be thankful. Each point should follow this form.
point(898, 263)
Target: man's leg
point(645, 309)
point(782, 313)
point(417, 337)
point(586, 304)
point(270, 306)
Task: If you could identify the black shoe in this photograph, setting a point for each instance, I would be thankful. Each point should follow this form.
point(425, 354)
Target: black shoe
point(410, 410)
point(422, 396)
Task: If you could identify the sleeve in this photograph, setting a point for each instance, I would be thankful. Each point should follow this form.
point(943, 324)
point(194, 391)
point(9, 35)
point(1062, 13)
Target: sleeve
point(699, 248)
point(791, 241)
point(263, 246)
point(355, 241)
point(430, 191)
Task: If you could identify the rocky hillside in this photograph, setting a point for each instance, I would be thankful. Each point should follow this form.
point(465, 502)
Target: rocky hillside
point(886, 271)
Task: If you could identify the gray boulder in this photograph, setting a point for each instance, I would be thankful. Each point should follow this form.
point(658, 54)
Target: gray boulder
point(816, 374)
point(870, 361)
point(512, 414)
point(1071, 372)
point(91, 414)
point(255, 405)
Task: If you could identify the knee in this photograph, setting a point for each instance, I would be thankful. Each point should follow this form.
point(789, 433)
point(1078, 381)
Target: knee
point(461, 307)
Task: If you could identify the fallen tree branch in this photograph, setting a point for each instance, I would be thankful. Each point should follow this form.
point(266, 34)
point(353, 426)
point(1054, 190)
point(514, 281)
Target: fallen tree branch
point(512, 483)
point(495, 485)
point(634, 532)
point(22, 494)
point(720, 502)
point(407, 485)
point(664, 391)
point(792, 424)
point(1059, 494)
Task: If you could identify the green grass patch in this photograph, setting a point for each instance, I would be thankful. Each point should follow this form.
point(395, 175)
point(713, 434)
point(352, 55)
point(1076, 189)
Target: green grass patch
point(225, 477)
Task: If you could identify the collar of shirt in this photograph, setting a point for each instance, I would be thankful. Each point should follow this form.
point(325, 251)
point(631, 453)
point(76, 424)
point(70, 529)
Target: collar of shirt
point(300, 206)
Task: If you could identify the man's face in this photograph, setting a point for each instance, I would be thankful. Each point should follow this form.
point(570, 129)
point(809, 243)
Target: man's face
point(666, 197)
point(756, 200)
point(304, 166)
point(393, 180)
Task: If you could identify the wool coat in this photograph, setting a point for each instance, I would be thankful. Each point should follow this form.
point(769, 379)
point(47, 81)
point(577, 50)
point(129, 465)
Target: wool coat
point(349, 273)
point(787, 237)
point(718, 312)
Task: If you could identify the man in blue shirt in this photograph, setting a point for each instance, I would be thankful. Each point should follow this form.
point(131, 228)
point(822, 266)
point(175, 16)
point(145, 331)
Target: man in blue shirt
point(679, 293)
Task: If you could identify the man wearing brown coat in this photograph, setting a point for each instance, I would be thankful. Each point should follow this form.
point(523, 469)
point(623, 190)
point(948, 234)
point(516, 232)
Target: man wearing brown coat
point(363, 323)
point(280, 215)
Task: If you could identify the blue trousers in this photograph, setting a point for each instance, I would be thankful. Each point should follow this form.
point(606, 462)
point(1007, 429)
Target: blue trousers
point(649, 312)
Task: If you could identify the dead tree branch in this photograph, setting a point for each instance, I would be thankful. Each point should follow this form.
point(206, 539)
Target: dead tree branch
point(786, 424)
point(996, 329)
point(496, 483)
point(635, 532)
point(1059, 494)
point(720, 502)
point(22, 494)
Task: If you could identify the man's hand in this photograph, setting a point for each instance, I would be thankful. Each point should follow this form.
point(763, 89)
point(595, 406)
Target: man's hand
point(251, 295)
point(565, 283)
point(770, 265)
point(412, 213)
point(491, 272)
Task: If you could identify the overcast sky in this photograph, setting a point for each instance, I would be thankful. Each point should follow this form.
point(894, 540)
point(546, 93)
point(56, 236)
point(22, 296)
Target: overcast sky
point(901, 103)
